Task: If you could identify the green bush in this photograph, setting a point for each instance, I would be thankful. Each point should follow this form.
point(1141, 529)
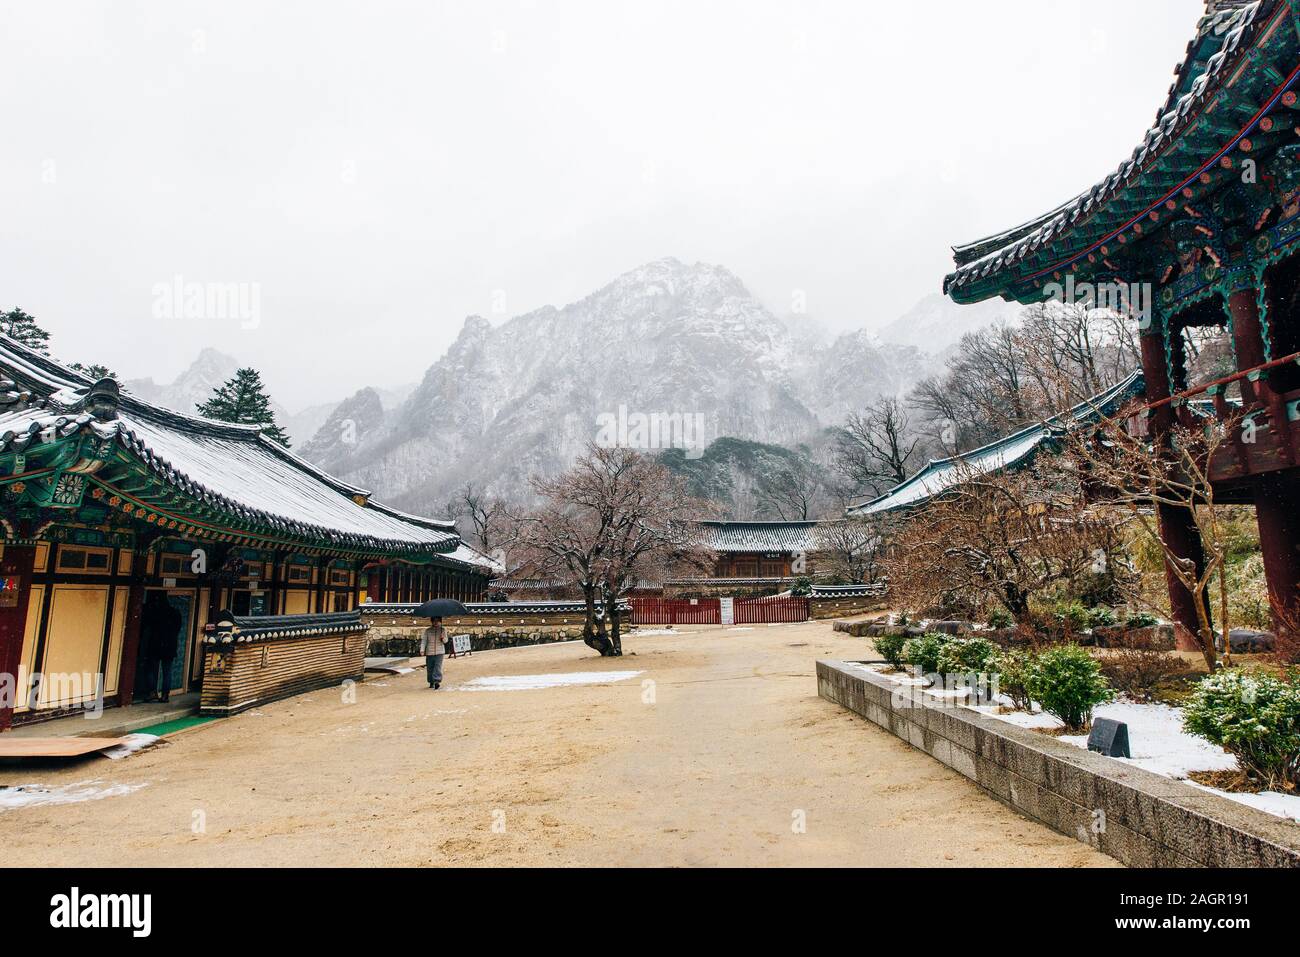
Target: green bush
point(924, 652)
point(1068, 683)
point(1254, 717)
point(1142, 620)
point(1102, 618)
point(890, 647)
point(1073, 616)
point(1015, 671)
point(967, 656)
point(1001, 618)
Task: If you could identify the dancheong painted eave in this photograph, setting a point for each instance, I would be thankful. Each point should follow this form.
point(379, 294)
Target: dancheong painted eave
point(62, 439)
point(1242, 65)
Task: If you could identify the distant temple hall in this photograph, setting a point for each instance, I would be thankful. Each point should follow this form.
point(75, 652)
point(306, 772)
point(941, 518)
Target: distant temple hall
point(1206, 216)
point(105, 499)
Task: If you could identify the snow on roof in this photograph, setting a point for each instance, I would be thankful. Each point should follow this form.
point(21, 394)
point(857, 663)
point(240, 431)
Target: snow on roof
point(230, 466)
point(749, 537)
point(1006, 453)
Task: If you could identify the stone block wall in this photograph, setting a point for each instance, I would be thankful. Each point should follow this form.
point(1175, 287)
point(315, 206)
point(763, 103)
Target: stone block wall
point(1139, 818)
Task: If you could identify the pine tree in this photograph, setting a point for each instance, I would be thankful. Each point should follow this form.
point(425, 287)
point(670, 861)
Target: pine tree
point(93, 372)
point(243, 400)
point(22, 327)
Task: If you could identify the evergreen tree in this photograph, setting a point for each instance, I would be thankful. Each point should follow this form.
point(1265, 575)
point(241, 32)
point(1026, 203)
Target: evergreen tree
point(18, 325)
point(93, 372)
point(243, 400)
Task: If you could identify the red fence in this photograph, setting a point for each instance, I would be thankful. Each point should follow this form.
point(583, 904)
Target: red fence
point(771, 611)
point(660, 611)
point(708, 611)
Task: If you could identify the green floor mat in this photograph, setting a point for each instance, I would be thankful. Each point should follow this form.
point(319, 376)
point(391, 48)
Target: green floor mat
point(171, 727)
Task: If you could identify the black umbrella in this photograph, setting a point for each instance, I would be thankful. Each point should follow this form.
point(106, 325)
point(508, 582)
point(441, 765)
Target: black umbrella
point(441, 608)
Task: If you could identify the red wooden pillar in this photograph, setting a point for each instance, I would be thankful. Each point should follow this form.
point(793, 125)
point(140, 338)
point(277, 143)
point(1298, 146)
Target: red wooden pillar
point(16, 567)
point(1177, 525)
point(131, 634)
point(1277, 509)
point(1247, 336)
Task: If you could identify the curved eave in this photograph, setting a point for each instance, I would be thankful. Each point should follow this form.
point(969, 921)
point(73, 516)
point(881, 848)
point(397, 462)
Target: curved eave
point(1182, 150)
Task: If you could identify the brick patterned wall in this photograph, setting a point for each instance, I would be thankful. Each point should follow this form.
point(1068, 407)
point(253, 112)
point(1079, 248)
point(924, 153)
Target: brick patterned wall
point(255, 673)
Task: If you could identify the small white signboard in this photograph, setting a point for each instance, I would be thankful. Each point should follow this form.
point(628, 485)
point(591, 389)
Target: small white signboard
point(462, 645)
point(728, 611)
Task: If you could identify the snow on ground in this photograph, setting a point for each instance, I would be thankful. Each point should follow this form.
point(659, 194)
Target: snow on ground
point(539, 682)
point(656, 633)
point(1270, 802)
point(1156, 739)
point(130, 745)
point(37, 795)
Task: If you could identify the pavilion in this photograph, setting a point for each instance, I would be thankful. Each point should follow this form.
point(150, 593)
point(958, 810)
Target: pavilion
point(1202, 222)
point(105, 498)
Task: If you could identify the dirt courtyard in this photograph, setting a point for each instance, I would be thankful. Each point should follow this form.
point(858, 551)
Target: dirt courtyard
point(718, 753)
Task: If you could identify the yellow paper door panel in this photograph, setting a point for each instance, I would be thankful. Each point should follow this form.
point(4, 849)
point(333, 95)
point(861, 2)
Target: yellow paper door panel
point(296, 602)
point(35, 606)
point(113, 669)
point(74, 644)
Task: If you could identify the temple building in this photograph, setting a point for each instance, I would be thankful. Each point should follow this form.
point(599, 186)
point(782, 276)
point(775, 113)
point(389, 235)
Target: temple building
point(1197, 228)
point(1015, 451)
point(105, 499)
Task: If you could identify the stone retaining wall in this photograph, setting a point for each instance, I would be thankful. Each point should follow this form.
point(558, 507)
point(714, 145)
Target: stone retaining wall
point(1139, 818)
point(397, 635)
point(821, 609)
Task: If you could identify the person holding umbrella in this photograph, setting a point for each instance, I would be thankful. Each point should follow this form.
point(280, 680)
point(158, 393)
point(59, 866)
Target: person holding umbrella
point(433, 643)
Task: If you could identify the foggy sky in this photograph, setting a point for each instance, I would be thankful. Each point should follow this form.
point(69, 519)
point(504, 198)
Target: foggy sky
point(381, 170)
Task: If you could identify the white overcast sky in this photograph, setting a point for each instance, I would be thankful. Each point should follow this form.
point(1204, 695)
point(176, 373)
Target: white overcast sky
point(381, 169)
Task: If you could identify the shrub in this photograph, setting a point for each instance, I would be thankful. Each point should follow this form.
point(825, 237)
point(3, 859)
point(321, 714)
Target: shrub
point(1001, 618)
point(802, 587)
point(1102, 618)
point(1069, 685)
point(890, 647)
point(1254, 717)
point(1139, 666)
point(1073, 616)
point(924, 652)
point(1142, 620)
point(967, 656)
point(1015, 677)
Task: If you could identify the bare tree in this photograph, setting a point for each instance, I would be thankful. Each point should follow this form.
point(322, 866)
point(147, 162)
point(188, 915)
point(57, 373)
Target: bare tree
point(854, 550)
point(486, 514)
point(612, 517)
point(877, 450)
point(794, 492)
point(1171, 475)
point(1000, 538)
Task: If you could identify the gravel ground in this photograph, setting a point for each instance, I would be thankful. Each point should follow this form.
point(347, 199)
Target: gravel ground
point(718, 753)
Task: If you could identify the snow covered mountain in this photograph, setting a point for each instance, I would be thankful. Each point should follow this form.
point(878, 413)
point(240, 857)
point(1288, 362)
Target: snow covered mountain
point(936, 323)
point(526, 396)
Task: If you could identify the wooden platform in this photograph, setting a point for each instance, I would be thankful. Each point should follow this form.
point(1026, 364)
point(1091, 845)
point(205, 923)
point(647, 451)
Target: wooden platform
point(14, 747)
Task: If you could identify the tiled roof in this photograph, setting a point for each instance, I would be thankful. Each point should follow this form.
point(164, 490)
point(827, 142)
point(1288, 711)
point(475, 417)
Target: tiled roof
point(1014, 450)
point(747, 537)
point(229, 468)
point(996, 264)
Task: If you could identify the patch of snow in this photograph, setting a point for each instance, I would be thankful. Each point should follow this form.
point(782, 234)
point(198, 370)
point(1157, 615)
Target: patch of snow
point(130, 745)
point(740, 629)
point(1285, 806)
point(655, 633)
point(36, 795)
point(539, 682)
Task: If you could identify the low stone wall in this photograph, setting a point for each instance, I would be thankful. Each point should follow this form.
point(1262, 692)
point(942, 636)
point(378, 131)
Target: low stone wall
point(821, 609)
point(1139, 818)
point(247, 674)
point(397, 635)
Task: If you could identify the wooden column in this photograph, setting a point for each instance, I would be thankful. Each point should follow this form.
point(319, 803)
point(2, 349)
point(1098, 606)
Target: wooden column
point(1277, 509)
point(1177, 525)
point(17, 564)
point(1247, 336)
point(134, 607)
